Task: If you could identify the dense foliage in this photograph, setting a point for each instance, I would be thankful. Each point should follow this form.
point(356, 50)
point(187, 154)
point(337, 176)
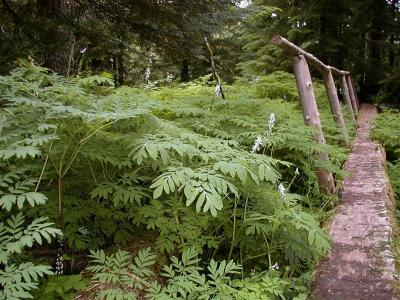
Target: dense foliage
point(224, 189)
point(137, 40)
point(124, 174)
point(387, 132)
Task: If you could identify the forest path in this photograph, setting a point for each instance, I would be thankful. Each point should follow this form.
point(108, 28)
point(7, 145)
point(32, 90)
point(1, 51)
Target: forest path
point(361, 263)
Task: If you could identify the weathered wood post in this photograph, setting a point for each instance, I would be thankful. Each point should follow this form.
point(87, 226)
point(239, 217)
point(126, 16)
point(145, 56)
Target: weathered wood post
point(355, 91)
point(346, 96)
point(351, 94)
point(311, 116)
point(335, 105)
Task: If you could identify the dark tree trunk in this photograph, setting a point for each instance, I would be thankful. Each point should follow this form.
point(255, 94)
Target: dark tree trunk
point(374, 40)
point(120, 68)
point(56, 37)
point(322, 35)
point(185, 70)
point(392, 37)
point(115, 70)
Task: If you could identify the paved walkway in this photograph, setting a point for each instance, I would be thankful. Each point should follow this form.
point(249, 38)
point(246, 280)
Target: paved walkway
point(361, 264)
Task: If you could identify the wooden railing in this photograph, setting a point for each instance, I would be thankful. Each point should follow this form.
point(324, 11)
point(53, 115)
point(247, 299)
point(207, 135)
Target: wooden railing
point(301, 59)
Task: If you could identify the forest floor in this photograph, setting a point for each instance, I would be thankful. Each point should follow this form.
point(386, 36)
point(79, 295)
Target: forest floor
point(361, 264)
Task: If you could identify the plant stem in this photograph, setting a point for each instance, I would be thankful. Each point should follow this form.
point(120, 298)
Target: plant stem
point(44, 167)
point(174, 208)
point(234, 230)
point(61, 188)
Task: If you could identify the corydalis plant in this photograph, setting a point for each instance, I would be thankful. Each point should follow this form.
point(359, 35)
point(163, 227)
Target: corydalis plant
point(218, 89)
point(271, 123)
point(258, 143)
point(282, 190)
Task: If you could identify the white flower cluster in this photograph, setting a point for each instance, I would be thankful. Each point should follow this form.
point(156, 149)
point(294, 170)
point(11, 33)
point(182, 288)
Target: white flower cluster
point(275, 266)
point(282, 190)
point(258, 143)
point(169, 78)
point(60, 259)
point(217, 89)
point(271, 123)
point(147, 74)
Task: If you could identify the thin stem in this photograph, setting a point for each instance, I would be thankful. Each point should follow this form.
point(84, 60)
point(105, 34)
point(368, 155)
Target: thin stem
point(61, 187)
point(81, 143)
point(175, 207)
point(72, 158)
point(97, 130)
point(291, 182)
point(60, 167)
point(256, 256)
point(44, 166)
point(234, 230)
point(245, 209)
point(91, 171)
point(241, 262)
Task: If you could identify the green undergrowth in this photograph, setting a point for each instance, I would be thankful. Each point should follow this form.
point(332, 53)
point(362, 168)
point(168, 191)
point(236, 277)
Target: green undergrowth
point(386, 130)
point(205, 198)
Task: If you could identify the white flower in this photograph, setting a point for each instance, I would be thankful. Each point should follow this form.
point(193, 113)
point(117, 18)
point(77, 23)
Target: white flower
point(147, 74)
point(60, 258)
point(271, 123)
point(217, 89)
point(275, 266)
point(281, 190)
point(59, 265)
point(258, 143)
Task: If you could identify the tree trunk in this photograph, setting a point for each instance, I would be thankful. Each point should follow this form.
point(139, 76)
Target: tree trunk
point(392, 37)
point(120, 68)
point(312, 117)
point(56, 37)
point(185, 70)
point(115, 70)
point(374, 39)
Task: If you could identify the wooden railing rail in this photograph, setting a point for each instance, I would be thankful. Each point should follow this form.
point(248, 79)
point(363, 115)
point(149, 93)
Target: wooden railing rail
point(301, 59)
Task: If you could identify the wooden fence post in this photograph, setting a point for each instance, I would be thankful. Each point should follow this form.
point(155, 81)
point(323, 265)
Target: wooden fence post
point(351, 93)
point(311, 116)
point(346, 96)
point(335, 105)
point(355, 91)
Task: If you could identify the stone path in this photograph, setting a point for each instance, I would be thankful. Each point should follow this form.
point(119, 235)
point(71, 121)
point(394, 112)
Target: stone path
point(361, 263)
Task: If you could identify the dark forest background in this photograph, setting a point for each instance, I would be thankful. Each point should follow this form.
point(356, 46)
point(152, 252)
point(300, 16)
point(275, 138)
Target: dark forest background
point(126, 38)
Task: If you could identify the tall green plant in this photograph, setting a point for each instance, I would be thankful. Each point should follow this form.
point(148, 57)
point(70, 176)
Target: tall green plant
point(22, 133)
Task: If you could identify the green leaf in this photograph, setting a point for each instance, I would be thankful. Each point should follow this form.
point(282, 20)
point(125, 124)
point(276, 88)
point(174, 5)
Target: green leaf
point(157, 192)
